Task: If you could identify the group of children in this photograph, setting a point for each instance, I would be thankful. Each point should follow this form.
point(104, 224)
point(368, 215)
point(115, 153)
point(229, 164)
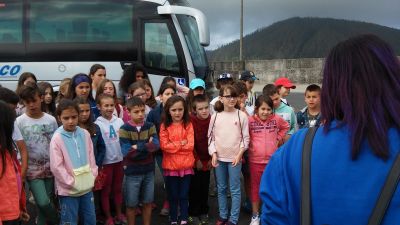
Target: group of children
point(103, 148)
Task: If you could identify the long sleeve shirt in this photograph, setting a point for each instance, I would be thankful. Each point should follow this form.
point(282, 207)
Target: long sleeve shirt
point(72, 162)
point(264, 137)
point(141, 159)
point(176, 155)
point(343, 191)
point(228, 133)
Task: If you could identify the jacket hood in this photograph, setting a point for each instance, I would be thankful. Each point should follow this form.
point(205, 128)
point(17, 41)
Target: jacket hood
point(69, 134)
point(104, 120)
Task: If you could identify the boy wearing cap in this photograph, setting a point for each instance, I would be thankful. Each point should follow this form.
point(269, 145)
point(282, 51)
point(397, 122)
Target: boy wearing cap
point(283, 84)
point(197, 87)
point(223, 80)
point(248, 78)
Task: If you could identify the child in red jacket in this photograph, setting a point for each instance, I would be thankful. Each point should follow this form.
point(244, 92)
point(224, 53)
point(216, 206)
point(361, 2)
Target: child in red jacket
point(12, 194)
point(177, 142)
point(267, 131)
point(199, 185)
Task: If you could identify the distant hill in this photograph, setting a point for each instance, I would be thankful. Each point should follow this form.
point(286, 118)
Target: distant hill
point(301, 38)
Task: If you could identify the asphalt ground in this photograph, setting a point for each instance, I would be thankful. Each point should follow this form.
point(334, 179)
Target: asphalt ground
point(295, 99)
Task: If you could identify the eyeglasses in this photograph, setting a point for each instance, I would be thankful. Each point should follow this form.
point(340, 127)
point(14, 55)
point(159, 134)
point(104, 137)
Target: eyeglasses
point(230, 96)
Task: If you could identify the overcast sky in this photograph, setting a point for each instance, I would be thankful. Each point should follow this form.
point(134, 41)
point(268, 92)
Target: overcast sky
point(224, 15)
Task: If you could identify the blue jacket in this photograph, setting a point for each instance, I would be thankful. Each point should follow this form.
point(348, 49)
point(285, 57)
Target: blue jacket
point(140, 160)
point(93, 108)
point(99, 147)
point(302, 119)
point(155, 116)
point(342, 191)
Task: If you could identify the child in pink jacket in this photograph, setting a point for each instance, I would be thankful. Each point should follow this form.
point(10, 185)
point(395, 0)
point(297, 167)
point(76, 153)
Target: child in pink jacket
point(73, 165)
point(267, 131)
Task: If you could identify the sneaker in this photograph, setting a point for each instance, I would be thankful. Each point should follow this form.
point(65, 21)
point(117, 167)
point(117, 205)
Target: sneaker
point(109, 221)
point(121, 219)
point(204, 219)
point(255, 220)
point(221, 221)
point(193, 220)
point(183, 222)
point(164, 212)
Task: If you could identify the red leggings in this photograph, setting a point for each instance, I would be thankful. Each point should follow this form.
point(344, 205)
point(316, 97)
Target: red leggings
point(114, 176)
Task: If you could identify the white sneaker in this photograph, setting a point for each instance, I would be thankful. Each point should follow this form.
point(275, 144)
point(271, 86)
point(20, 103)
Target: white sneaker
point(164, 212)
point(255, 220)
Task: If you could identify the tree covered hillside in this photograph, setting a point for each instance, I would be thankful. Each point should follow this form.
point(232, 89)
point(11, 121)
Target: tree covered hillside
point(301, 38)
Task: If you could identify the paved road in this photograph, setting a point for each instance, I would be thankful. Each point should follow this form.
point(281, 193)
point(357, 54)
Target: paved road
point(295, 99)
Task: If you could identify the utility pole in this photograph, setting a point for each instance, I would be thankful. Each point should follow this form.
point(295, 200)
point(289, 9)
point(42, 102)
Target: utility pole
point(241, 37)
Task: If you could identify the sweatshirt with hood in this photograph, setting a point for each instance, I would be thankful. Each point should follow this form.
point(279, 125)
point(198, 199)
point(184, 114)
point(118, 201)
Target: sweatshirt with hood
point(110, 132)
point(72, 162)
point(264, 137)
point(287, 113)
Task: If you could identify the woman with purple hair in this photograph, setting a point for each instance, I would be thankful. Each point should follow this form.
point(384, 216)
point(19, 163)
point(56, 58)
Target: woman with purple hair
point(352, 153)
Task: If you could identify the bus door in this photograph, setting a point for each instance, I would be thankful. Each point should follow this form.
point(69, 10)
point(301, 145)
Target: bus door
point(160, 51)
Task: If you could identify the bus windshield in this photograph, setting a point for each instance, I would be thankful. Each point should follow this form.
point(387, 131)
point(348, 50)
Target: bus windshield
point(197, 52)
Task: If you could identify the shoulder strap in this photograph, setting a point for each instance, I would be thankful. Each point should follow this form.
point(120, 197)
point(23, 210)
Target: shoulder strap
point(241, 131)
point(386, 194)
point(305, 209)
point(212, 129)
point(381, 205)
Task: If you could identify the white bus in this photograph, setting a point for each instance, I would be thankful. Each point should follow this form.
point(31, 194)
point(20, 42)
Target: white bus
point(55, 39)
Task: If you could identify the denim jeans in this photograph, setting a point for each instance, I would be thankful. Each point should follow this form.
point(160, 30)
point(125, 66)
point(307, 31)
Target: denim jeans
point(138, 189)
point(178, 193)
point(225, 171)
point(71, 206)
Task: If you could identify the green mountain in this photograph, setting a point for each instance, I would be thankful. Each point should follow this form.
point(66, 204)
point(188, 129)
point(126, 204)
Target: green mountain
point(301, 38)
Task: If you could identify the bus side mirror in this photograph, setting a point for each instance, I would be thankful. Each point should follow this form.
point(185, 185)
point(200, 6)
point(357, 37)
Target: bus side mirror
point(202, 25)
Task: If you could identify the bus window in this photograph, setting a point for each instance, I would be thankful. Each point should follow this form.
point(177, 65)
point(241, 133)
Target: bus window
point(159, 49)
point(80, 21)
point(197, 52)
point(10, 22)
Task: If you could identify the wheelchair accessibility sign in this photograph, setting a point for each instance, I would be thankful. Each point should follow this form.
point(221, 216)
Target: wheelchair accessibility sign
point(181, 81)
